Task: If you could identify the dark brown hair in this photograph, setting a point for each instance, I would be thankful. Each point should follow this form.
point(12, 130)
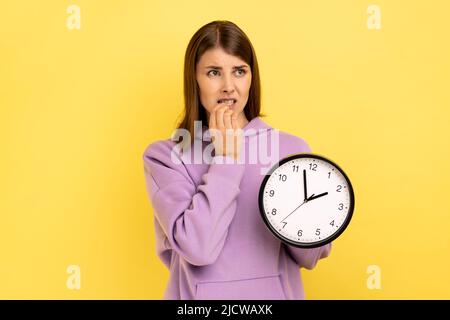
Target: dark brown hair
point(228, 36)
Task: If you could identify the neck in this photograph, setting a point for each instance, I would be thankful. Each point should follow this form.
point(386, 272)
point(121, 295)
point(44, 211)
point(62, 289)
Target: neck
point(242, 121)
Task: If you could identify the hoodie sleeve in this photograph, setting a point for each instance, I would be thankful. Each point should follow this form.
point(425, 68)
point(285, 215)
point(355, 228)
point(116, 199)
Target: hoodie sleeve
point(307, 258)
point(191, 220)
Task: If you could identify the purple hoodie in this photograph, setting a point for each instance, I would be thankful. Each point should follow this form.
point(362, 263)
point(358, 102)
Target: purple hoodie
point(209, 232)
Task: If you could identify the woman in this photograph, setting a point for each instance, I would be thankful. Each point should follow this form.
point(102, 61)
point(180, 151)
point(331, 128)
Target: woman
point(209, 231)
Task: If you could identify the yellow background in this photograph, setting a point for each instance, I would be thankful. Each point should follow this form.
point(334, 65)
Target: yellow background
point(78, 108)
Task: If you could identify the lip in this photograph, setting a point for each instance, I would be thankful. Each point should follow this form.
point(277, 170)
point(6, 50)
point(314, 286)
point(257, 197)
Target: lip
point(235, 100)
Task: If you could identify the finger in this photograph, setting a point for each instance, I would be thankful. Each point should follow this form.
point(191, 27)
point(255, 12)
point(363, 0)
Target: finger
point(212, 124)
point(227, 119)
point(219, 117)
point(234, 121)
point(229, 132)
point(213, 118)
point(236, 129)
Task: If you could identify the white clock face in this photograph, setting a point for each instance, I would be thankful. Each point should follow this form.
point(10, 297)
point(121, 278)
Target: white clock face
point(306, 200)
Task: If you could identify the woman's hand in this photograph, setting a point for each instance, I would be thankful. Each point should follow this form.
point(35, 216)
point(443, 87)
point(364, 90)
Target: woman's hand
point(225, 132)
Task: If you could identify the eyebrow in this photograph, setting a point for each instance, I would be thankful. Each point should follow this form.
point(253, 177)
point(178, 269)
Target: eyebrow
point(220, 68)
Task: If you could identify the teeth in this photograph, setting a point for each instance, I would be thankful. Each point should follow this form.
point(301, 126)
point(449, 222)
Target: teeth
point(227, 102)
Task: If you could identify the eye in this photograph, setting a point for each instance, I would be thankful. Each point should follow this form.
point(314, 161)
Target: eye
point(240, 72)
point(211, 71)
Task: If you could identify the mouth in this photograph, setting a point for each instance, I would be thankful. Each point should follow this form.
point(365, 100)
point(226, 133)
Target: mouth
point(228, 102)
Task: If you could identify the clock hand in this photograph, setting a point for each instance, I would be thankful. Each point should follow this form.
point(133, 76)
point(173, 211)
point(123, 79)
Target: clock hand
point(293, 211)
point(304, 185)
point(318, 196)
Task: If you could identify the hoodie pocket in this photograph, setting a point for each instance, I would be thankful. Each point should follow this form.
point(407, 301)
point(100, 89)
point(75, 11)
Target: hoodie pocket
point(261, 288)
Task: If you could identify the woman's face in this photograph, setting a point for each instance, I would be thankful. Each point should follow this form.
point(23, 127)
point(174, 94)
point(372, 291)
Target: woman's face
point(221, 76)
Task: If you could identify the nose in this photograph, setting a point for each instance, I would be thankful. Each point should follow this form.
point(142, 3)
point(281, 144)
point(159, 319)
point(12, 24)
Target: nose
point(228, 84)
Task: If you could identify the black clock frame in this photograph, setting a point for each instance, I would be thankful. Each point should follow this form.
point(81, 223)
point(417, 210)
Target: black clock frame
point(303, 244)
